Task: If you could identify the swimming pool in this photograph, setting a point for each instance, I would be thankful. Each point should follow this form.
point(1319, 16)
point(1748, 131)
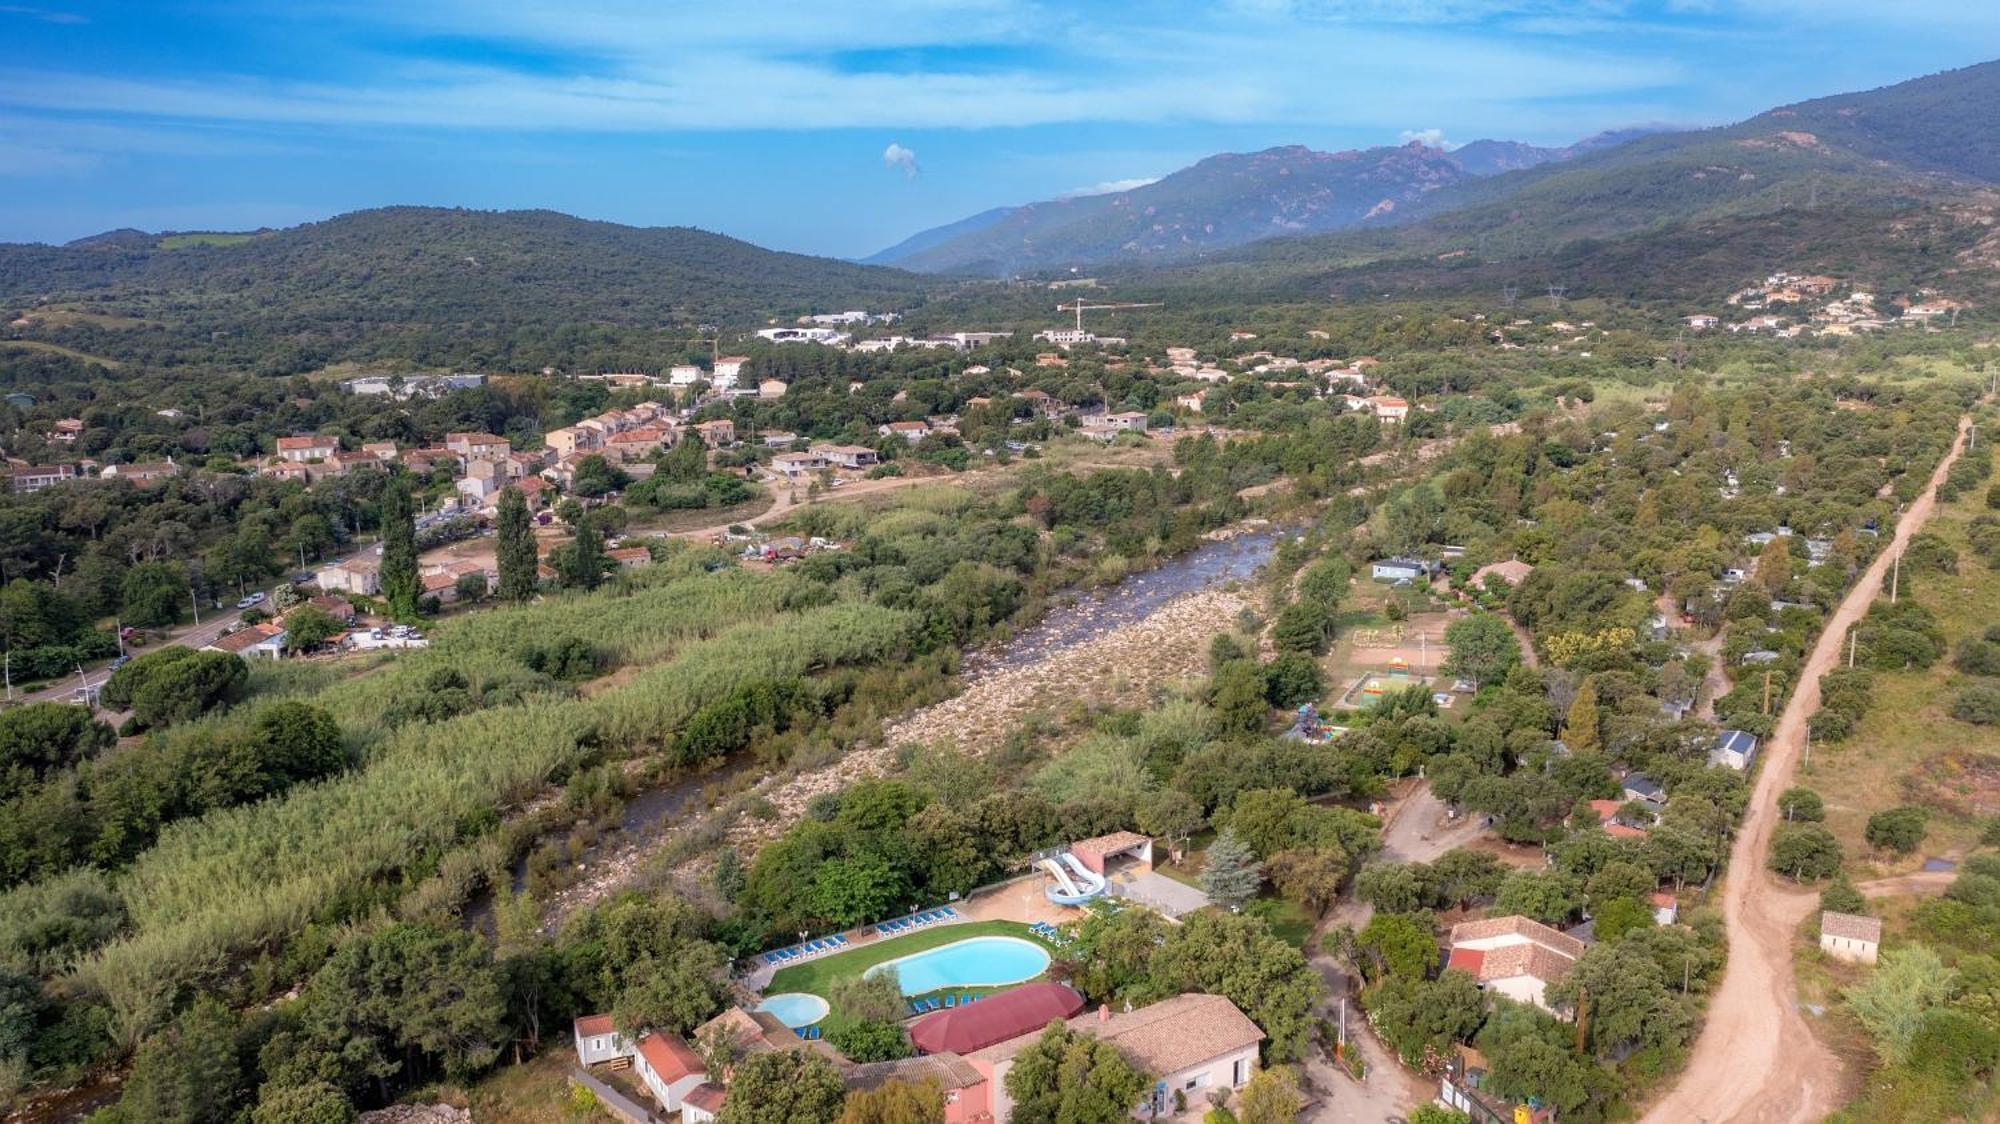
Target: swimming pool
point(976, 962)
point(795, 1008)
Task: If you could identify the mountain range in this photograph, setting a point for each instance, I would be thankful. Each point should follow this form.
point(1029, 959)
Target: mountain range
point(1911, 143)
point(1219, 202)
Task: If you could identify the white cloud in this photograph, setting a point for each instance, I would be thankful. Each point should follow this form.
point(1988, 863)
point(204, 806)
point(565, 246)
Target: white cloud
point(898, 158)
point(1431, 138)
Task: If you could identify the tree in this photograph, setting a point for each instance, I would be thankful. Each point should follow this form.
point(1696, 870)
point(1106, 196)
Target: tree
point(152, 594)
point(876, 996)
point(1310, 876)
point(309, 626)
point(1483, 648)
point(673, 994)
point(1774, 566)
point(1303, 626)
point(1272, 1097)
point(316, 1102)
point(1893, 1000)
point(1437, 1114)
point(514, 547)
point(1799, 804)
point(1580, 726)
point(1550, 897)
point(1067, 1077)
point(1977, 703)
point(1169, 814)
point(1416, 1015)
point(596, 476)
point(896, 1102)
point(1229, 874)
point(398, 574)
point(784, 1087)
point(38, 738)
point(175, 684)
point(1293, 678)
point(1237, 699)
point(1804, 852)
point(1898, 829)
point(581, 563)
point(1397, 945)
point(189, 1074)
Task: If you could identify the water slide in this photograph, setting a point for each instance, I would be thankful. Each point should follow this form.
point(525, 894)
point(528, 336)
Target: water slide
point(1075, 882)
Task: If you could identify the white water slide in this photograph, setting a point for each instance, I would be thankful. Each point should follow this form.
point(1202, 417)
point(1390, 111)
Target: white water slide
point(1075, 882)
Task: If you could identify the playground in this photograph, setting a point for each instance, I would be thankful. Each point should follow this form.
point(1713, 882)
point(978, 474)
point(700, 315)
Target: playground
point(1381, 657)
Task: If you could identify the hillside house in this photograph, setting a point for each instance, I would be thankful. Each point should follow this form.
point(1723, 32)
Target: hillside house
point(35, 477)
point(1399, 570)
point(911, 431)
point(570, 440)
point(598, 1041)
point(729, 369)
point(1388, 408)
point(480, 446)
point(685, 375)
point(265, 640)
point(303, 450)
point(65, 431)
point(1515, 956)
point(359, 576)
point(1646, 790)
point(796, 465)
point(142, 473)
point(717, 434)
point(849, 456)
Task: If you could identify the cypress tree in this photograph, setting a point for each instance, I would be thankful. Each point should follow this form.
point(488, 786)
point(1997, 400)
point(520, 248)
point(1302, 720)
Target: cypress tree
point(514, 547)
point(583, 563)
point(1580, 728)
point(399, 551)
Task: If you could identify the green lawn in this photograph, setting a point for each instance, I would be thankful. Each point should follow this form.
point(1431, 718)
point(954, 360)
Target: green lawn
point(817, 976)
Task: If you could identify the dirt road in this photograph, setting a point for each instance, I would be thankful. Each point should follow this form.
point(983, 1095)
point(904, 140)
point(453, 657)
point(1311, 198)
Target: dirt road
point(1416, 832)
point(1757, 1058)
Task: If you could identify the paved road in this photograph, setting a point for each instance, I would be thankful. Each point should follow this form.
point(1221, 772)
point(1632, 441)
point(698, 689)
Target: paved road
point(1757, 1058)
point(213, 625)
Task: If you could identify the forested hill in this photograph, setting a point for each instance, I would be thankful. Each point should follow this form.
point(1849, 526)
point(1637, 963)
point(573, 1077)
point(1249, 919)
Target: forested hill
point(442, 269)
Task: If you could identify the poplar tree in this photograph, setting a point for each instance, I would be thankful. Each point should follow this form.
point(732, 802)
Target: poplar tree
point(514, 547)
point(399, 551)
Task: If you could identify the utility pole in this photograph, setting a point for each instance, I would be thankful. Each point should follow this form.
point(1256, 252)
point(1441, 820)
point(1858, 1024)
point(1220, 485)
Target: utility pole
point(1895, 577)
point(1767, 692)
point(7, 670)
point(196, 602)
point(1853, 637)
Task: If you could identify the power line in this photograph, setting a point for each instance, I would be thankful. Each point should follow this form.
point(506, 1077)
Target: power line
point(1556, 295)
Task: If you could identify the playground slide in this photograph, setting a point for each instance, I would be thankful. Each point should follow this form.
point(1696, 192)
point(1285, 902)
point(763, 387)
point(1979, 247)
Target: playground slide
point(1062, 879)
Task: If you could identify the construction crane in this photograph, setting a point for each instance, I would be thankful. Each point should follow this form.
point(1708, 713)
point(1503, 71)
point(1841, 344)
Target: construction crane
point(1080, 306)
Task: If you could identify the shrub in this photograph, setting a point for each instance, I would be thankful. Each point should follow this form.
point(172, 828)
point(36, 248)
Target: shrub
point(1805, 852)
point(1977, 703)
point(1898, 829)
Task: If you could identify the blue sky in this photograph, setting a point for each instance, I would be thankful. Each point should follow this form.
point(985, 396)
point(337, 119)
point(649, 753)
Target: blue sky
point(838, 128)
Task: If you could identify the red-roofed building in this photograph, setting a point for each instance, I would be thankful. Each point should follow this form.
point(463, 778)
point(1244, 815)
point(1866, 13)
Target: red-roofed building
point(1607, 815)
point(598, 1040)
point(1516, 956)
point(703, 1103)
point(669, 1067)
point(996, 1018)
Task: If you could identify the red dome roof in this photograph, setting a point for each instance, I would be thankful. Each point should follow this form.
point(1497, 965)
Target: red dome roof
point(995, 1018)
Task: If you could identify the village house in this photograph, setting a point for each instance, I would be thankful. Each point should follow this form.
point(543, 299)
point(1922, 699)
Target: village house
point(1192, 402)
point(911, 431)
point(266, 640)
point(570, 439)
point(35, 477)
point(1388, 408)
point(629, 556)
point(636, 444)
point(669, 1068)
point(286, 470)
point(1041, 402)
point(1642, 788)
point(301, 450)
point(717, 434)
point(340, 464)
point(849, 456)
point(1131, 421)
point(143, 473)
point(796, 465)
point(1702, 322)
point(729, 369)
point(360, 576)
point(778, 438)
point(65, 431)
point(1849, 936)
point(685, 375)
point(1607, 812)
point(1666, 908)
point(384, 451)
point(1516, 956)
point(771, 388)
point(477, 445)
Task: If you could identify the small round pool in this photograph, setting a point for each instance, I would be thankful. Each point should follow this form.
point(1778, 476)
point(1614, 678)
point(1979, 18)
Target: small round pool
point(795, 1008)
point(977, 962)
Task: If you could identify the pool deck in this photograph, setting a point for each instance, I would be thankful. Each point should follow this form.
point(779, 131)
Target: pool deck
point(1018, 900)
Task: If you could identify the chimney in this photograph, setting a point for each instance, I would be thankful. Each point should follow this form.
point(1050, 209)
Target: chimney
point(1104, 1012)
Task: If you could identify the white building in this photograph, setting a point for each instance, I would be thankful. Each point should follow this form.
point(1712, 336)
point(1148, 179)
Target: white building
point(1849, 936)
point(826, 336)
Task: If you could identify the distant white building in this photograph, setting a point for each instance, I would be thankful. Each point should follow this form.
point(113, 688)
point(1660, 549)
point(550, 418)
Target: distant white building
point(1849, 936)
point(827, 336)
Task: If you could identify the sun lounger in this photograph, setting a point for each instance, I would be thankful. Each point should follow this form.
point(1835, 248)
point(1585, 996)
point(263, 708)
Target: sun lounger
point(950, 1002)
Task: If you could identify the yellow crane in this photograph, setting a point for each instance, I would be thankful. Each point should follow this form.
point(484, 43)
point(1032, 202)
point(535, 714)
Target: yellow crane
point(1080, 306)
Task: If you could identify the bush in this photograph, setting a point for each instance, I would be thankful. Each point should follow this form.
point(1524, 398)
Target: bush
point(1977, 703)
point(1898, 829)
point(1801, 805)
point(1976, 656)
point(1841, 897)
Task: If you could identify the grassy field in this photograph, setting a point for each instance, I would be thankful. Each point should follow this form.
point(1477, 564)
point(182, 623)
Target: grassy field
point(694, 519)
point(1909, 723)
point(817, 976)
point(1289, 921)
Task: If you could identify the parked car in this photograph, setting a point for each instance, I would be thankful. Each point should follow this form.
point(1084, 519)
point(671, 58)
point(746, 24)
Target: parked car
point(246, 602)
point(257, 598)
point(303, 579)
